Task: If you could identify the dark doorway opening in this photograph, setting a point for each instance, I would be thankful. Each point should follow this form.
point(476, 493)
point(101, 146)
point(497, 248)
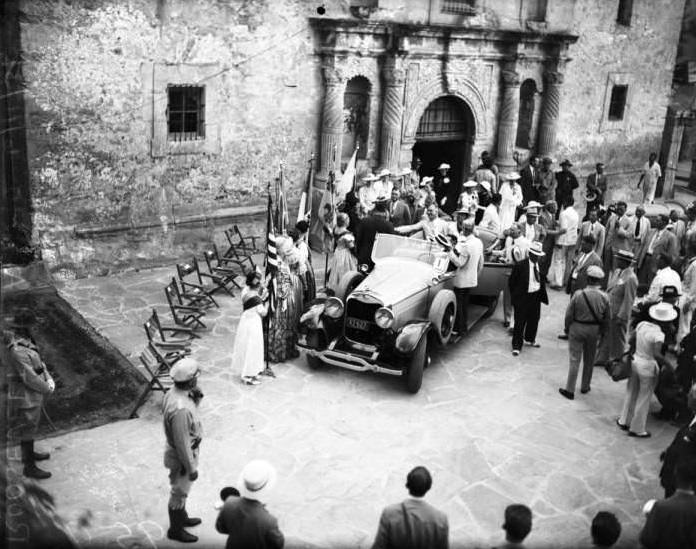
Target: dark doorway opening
point(446, 134)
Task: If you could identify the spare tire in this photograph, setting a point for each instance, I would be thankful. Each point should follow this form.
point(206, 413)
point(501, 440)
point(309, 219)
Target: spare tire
point(348, 283)
point(442, 315)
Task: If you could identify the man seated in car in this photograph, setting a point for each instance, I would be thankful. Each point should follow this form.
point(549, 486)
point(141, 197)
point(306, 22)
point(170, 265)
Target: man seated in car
point(430, 225)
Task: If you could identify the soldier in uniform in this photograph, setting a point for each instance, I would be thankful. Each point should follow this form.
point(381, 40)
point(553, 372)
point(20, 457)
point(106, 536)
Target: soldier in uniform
point(29, 382)
point(182, 429)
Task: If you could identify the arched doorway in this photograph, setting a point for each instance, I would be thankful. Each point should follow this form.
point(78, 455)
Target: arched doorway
point(446, 134)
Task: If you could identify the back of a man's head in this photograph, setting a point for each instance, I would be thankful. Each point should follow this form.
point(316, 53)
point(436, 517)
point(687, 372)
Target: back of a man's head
point(518, 522)
point(605, 529)
point(685, 474)
point(419, 481)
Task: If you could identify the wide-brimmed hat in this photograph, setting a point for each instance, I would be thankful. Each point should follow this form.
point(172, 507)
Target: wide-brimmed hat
point(512, 176)
point(590, 196)
point(256, 479)
point(662, 312)
point(471, 183)
point(567, 162)
point(24, 317)
point(370, 177)
point(547, 160)
point(403, 172)
point(426, 180)
point(380, 200)
point(384, 173)
point(442, 240)
point(595, 271)
point(536, 249)
point(533, 205)
point(184, 370)
point(624, 254)
point(443, 166)
point(486, 185)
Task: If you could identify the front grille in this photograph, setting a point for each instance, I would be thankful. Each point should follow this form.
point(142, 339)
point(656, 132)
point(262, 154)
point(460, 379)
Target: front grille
point(362, 312)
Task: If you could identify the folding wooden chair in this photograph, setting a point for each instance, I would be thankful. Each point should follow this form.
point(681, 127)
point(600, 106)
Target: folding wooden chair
point(192, 288)
point(227, 270)
point(171, 349)
point(183, 315)
point(157, 366)
point(217, 281)
point(187, 333)
point(240, 248)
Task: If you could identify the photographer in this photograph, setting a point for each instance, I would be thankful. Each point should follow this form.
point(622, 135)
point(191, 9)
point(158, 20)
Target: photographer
point(29, 382)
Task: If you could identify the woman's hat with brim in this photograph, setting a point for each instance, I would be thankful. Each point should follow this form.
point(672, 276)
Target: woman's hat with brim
point(595, 271)
point(384, 173)
point(257, 479)
point(662, 312)
point(23, 318)
point(512, 176)
point(443, 166)
point(470, 184)
point(536, 249)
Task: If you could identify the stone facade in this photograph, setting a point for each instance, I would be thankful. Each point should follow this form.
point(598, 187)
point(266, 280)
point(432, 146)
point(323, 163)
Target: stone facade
point(111, 190)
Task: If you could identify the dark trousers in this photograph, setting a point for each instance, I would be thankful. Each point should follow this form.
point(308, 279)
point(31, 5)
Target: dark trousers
point(527, 313)
point(462, 306)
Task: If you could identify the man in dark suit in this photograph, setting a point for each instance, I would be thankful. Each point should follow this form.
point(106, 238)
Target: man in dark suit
point(659, 241)
point(529, 181)
point(376, 222)
point(566, 183)
point(528, 292)
point(596, 187)
point(414, 523)
point(583, 261)
point(245, 519)
point(671, 523)
point(399, 214)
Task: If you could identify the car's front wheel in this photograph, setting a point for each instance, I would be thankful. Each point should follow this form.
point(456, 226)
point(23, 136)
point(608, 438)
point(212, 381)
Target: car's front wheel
point(416, 365)
point(442, 314)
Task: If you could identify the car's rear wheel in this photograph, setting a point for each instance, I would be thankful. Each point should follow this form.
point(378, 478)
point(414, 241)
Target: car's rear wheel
point(416, 365)
point(348, 283)
point(442, 314)
point(314, 340)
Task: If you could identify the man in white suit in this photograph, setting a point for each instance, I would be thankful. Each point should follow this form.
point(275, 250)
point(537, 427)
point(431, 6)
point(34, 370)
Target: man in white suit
point(592, 227)
point(638, 231)
point(467, 255)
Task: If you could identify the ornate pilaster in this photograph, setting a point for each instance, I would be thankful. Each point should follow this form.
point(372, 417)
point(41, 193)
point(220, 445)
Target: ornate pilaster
point(549, 113)
point(507, 122)
point(392, 116)
point(331, 122)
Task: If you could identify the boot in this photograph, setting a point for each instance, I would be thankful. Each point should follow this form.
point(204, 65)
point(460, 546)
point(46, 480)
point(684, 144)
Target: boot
point(30, 468)
point(190, 521)
point(176, 527)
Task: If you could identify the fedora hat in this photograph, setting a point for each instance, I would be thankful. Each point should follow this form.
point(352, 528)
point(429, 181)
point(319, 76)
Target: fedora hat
point(380, 200)
point(536, 249)
point(24, 317)
point(669, 291)
point(443, 166)
point(426, 180)
point(662, 312)
point(567, 162)
point(256, 479)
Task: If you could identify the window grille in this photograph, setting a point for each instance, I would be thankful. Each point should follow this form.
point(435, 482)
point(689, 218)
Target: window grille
point(442, 119)
point(623, 16)
point(458, 7)
point(185, 113)
point(617, 103)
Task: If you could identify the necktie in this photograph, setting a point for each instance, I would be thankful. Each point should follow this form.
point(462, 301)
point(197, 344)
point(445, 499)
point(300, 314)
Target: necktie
point(637, 233)
point(536, 272)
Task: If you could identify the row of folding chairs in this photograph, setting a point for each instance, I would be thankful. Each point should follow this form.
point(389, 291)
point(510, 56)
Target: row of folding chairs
point(189, 295)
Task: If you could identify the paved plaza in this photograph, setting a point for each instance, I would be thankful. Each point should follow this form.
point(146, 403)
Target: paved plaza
point(492, 429)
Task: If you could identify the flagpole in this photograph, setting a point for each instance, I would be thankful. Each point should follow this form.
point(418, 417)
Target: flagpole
point(330, 185)
point(310, 189)
point(271, 267)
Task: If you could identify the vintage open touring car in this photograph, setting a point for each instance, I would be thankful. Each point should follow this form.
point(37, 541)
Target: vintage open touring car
point(388, 320)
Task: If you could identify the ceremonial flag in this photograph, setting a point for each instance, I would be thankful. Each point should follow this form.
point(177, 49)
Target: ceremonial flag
point(271, 254)
point(347, 179)
point(306, 198)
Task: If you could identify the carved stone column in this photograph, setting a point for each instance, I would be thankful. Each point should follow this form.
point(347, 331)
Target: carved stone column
point(507, 121)
point(331, 122)
point(392, 117)
point(549, 113)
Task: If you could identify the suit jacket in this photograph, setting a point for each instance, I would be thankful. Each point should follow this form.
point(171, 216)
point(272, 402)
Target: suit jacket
point(622, 235)
point(412, 524)
point(399, 213)
point(622, 287)
point(578, 277)
point(248, 525)
point(528, 183)
point(671, 524)
point(365, 236)
point(681, 449)
point(665, 244)
point(598, 231)
point(519, 282)
point(598, 182)
point(643, 230)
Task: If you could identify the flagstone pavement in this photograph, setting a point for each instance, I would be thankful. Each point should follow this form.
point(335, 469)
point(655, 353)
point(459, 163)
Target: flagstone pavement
point(492, 429)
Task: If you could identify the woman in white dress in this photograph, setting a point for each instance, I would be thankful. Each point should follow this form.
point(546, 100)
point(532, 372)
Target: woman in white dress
point(342, 260)
point(248, 342)
point(511, 198)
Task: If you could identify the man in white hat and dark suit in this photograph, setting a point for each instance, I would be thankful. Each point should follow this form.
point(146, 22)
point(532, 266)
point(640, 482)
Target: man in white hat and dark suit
point(183, 433)
point(244, 518)
point(527, 292)
point(446, 190)
point(413, 523)
point(586, 318)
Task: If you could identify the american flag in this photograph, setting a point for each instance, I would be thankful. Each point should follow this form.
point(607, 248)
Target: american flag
point(271, 254)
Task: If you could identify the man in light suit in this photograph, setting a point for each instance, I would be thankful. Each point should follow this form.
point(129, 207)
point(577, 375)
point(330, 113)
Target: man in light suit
point(594, 228)
point(659, 241)
point(399, 213)
point(640, 227)
point(467, 256)
point(413, 523)
point(529, 224)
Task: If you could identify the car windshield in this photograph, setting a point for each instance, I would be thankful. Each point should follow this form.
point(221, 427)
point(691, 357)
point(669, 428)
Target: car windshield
point(389, 245)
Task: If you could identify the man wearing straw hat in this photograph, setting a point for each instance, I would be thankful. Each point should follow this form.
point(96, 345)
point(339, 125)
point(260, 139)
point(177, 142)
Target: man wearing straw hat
point(446, 190)
point(586, 318)
point(244, 518)
point(527, 292)
point(30, 382)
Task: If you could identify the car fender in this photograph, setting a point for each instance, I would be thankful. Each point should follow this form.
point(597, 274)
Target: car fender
point(410, 334)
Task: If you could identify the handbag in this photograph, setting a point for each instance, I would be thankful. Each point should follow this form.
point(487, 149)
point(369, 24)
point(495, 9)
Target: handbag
point(620, 369)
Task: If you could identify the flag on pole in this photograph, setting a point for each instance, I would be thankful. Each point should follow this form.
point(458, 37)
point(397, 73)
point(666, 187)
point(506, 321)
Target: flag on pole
point(347, 179)
point(306, 198)
point(271, 253)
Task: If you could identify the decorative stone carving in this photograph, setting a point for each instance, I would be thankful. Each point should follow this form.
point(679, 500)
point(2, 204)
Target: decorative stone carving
point(392, 115)
point(332, 120)
point(549, 113)
point(507, 121)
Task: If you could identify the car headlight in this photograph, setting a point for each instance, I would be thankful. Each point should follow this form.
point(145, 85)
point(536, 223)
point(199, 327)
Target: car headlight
point(384, 318)
point(333, 307)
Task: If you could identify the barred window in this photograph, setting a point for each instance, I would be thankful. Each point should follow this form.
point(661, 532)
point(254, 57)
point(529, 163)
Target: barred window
point(623, 17)
point(617, 103)
point(185, 113)
point(458, 7)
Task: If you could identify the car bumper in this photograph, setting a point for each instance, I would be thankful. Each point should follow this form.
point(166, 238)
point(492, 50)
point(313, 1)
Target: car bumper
point(366, 361)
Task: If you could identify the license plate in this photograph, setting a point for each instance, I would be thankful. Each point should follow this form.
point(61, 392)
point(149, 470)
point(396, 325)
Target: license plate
point(358, 324)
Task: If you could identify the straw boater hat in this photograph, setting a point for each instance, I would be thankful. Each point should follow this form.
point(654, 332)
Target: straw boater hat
point(370, 177)
point(471, 183)
point(512, 176)
point(532, 207)
point(595, 271)
point(624, 254)
point(384, 173)
point(536, 249)
point(662, 312)
point(442, 240)
point(486, 185)
point(380, 200)
point(444, 166)
point(256, 479)
point(426, 180)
